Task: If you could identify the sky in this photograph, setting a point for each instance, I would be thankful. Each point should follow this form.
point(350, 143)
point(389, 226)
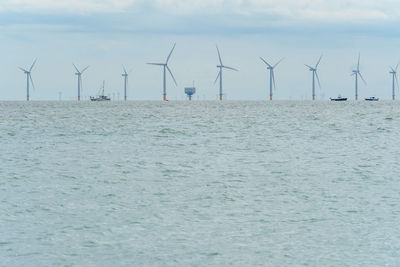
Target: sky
point(110, 33)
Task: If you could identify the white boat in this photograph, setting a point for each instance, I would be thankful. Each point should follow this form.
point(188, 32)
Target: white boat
point(100, 96)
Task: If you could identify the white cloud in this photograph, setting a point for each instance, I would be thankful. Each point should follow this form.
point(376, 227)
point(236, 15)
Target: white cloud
point(331, 10)
point(70, 6)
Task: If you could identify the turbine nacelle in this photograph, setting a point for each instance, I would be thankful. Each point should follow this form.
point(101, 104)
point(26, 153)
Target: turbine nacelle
point(394, 70)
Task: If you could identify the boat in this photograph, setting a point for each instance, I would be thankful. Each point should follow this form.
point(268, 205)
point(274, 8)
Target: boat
point(339, 98)
point(100, 96)
point(373, 98)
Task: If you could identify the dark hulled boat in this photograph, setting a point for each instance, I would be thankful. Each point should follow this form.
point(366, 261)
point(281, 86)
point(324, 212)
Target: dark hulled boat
point(373, 98)
point(339, 99)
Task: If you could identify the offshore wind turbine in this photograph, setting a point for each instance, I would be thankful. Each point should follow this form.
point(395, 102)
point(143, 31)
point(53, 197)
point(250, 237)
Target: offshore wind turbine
point(314, 75)
point(221, 66)
point(357, 73)
point(125, 75)
point(79, 74)
point(165, 67)
point(271, 75)
point(394, 81)
point(29, 79)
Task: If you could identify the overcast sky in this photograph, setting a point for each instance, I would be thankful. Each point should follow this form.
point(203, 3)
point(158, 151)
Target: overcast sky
point(106, 34)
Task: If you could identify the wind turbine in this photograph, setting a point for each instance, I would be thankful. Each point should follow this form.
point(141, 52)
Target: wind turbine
point(165, 67)
point(221, 66)
point(271, 75)
point(394, 79)
point(79, 74)
point(356, 73)
point(314, 75)
point(125, 75)
point(29, 79)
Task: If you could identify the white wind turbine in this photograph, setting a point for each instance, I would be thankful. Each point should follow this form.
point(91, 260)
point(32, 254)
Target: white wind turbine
point(221, 66)
point(165, 67)
point(125, 75)
point(394, 81)
point(79, 74)
point(314, 75)
point(357, 73)
point(29, 79)
point(271, 75)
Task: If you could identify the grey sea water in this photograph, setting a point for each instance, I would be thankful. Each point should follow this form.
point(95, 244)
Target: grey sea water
point(199, 184)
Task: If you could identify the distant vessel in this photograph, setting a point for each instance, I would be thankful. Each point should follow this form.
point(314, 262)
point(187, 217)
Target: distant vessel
point(101, 96)
point(339, 98)
point(373, 98)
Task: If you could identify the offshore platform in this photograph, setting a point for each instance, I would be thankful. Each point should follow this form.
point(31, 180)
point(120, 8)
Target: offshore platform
point(190, 91)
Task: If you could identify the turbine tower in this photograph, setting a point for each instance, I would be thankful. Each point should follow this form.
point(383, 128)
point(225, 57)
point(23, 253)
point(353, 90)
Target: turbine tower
point(356, 73)
point(221, 66)
point(314, 75)
point(394, 81)
point(165, 67)
point(29, 79)
point(271, 75)
point(125, 75)
point(79, 74)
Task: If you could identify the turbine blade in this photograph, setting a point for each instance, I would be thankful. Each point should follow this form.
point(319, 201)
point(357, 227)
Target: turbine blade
point(33, 85)
point(397, 66)
point(156, 64)
point(219, 56)
point(278, 62)
point(217, 77)
point(319, 83)
point(170, 53)
point(84, 69)
point(33, 64)
point(75, 68)
point(308, 66)
point(124, 69)
point(273, 78)
point(392, 69)
point(362, 78)
point(319, 61)
point(397, 82)
point(230, 68)
point(24, 70)
point(170, 72)
point(266, 62)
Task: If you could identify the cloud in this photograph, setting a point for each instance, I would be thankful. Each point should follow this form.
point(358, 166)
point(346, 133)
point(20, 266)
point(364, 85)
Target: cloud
point(328, 10)
point(62, 6)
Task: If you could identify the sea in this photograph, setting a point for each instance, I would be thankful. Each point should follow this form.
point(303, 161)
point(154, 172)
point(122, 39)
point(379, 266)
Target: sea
point(200, 183)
